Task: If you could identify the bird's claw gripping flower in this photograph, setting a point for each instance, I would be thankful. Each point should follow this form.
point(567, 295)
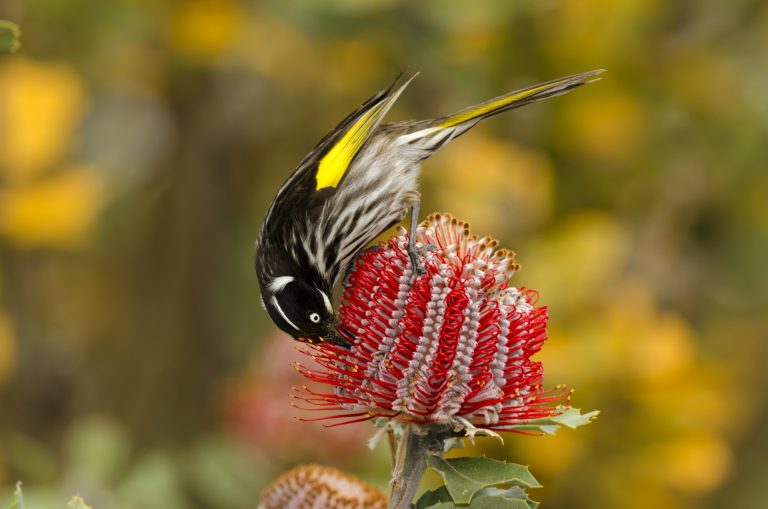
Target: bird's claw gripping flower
point(452, 345)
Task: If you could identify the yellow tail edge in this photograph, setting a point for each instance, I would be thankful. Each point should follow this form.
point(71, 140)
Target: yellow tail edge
point(533, 93)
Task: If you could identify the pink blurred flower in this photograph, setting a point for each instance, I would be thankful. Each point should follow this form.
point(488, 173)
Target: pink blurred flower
point(254, 407)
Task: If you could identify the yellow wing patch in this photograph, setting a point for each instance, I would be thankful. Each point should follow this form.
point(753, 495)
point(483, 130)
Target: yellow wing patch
point(336, 162)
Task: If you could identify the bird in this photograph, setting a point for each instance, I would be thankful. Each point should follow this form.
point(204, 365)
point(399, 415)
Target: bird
point(358, 181)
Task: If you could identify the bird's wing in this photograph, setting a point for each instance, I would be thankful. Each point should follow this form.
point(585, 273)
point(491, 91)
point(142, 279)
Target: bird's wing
point(318, 175)
point(344, 143)
point(322, 170)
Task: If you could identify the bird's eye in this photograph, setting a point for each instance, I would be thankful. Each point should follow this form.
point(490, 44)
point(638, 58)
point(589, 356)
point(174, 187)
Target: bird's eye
point(314, 318)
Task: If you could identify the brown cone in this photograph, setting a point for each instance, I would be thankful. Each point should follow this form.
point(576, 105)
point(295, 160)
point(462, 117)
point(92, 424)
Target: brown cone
point(320, 487)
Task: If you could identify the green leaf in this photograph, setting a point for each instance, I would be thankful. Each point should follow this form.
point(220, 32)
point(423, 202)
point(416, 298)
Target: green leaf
point(98, 448)
point(570, 418)
point(513, 493)
point(9, 37)
point(432, 498)
point(485, 502)
point(18, 500)
point(18, 497)
point(466, 476)
point(488, 498)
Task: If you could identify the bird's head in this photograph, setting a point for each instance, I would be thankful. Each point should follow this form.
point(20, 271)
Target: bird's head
point(299, 308)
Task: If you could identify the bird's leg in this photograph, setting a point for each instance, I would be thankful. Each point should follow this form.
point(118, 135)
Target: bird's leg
point(413, 253)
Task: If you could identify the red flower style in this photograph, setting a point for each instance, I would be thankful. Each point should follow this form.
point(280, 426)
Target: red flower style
point(452, 345)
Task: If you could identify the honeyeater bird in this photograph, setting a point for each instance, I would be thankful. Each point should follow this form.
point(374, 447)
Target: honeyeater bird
point(357, 182)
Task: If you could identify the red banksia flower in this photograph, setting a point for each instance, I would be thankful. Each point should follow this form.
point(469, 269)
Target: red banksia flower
point(450, 346)
point(320, 487)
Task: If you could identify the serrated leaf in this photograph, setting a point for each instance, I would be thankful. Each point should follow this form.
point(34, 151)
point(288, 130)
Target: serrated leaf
point(570, 418)
point(515, 493)
point(431, 498)
point(486, 502)
point(18, 497)
point(489, 498)
point(10, 33)
point(466, 476)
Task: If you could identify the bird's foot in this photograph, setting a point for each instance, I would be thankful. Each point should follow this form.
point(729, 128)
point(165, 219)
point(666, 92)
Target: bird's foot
point(416, 254)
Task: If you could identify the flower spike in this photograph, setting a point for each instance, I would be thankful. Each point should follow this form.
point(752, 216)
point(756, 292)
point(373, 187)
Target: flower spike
point(451, 346)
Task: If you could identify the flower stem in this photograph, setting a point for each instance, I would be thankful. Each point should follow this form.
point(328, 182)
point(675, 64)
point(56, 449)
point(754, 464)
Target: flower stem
point(409, 467)
point(416, 443)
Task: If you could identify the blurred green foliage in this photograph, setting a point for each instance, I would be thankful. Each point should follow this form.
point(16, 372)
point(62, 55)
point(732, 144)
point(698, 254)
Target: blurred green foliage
point(141, 142)
point(9, 37)
point(18, 500)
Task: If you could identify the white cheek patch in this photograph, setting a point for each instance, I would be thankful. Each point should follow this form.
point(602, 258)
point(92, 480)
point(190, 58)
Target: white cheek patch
point(278, 283)
point(274, 302)
point(327, 301)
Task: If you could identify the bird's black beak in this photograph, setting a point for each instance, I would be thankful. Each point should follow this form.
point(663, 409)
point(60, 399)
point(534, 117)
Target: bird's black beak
point(333, 338)
point(335, 333)
point(340, 338)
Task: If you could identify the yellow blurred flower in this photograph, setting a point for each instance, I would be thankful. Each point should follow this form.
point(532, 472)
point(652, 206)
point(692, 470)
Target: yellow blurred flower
point(693, 464)
point(498, 184)
point(206, 28)
point(698, 401)
point(627, 336)
point(551, 455)
point(40, 104)
point(582, 32)
point(608, 126)
point(645, 345)
point(684, 84)
point(281, 51)
point(468, 43)
point(576, 260)
point(7, 346)
point(57, 211)
point(352, 66)
point(675, 403)
point(665, 348)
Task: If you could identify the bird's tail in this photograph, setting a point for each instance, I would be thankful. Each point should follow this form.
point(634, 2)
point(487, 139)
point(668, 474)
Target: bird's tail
point(443, 129)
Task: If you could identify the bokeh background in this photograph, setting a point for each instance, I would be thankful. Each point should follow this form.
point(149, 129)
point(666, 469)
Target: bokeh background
point(141, 142)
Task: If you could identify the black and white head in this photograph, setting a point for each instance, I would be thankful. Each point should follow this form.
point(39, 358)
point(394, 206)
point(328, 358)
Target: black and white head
point(300, 309)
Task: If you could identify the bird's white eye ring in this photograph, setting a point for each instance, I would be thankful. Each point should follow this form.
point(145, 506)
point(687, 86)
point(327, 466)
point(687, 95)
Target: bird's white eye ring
point(314, 318)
